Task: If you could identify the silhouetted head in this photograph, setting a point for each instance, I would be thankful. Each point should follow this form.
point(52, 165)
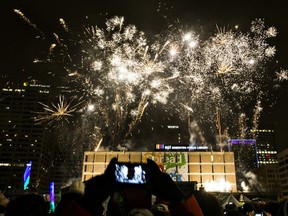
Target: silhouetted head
point(247, 208)
point(27, 205)
point(208, 203)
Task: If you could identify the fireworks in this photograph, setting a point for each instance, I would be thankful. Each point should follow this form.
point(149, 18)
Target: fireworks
point(282, 75)
point(120, 73)
point(27, 20)
point(56, 112)
point(226, 73)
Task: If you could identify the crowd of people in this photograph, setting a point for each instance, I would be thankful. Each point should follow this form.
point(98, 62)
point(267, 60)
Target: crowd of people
point(134, 200)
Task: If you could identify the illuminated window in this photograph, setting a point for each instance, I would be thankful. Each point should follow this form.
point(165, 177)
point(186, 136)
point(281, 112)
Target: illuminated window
point(5, 164)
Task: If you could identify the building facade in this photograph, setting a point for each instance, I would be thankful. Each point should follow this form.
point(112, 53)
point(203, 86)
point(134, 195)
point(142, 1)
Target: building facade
point(283, 171)
point(21, 140)
point(215, 171)
point(245, 161)
point(268, 177)
point(266, 147)
point(250, 155)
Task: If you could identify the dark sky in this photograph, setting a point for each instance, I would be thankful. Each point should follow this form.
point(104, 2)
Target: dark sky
point(20, 45)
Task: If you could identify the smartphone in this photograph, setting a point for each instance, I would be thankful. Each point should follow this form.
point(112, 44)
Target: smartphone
point(131, 173)
point(259, 214)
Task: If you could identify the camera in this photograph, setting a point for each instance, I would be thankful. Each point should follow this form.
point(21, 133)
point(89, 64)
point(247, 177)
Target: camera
point(131, 173)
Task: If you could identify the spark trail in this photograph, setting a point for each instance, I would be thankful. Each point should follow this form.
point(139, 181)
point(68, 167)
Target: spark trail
point(57, 112)
point(120, 73)
point(227, 72)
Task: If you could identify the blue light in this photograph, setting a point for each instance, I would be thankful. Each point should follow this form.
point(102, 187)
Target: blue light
point(26, 176)
point(52, 197)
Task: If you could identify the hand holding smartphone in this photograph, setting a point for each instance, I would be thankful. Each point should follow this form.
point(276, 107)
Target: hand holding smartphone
point(131, 173)
point(132, 179)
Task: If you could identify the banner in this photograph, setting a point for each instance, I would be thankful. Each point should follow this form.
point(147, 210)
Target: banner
point(173, 163)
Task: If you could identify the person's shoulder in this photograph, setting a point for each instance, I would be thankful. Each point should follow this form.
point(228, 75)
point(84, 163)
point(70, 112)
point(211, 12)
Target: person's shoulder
point(72, 208)
point(187, 207)
point(27, 204)
point(208, 203)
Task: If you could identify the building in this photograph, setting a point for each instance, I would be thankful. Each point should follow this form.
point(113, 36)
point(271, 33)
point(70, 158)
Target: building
point(215, 171)
point(245, 151)
point(245, 160)
point(266, 147)
point(164, 122)
point(283, 171)
point(21, 140)
point(268, 177)
point(251, 154)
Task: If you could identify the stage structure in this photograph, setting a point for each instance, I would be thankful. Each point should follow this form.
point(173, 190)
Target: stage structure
point(215, 171)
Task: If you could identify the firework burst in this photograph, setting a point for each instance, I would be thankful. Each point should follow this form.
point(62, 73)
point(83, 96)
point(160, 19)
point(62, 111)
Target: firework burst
point(226, 73)
point(19, 12)
point(56, 112)
point(120, 73)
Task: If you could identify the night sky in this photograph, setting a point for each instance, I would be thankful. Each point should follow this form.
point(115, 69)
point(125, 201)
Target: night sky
point(20, 43)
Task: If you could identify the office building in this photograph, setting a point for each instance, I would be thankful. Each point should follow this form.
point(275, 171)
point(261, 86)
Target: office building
point(245, 153)
point(266, 147)
point(21, 140)
point(283, 171)
point(245, 160)
point(268, 177)
point(250, 155)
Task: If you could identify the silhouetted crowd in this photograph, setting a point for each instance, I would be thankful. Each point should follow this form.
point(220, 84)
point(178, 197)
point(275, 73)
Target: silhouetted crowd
point(102, 196)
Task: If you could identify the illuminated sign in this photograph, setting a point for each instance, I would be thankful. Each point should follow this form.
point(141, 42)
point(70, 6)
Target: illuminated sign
point(242, 141)
point(165, 147)
point(173, 163)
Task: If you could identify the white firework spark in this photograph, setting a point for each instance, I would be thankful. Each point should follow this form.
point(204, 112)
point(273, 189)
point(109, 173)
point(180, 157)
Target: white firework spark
point(21, 14)
point(120, 73)
point(57, 112)
point(282, 75)
point(224, 72)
